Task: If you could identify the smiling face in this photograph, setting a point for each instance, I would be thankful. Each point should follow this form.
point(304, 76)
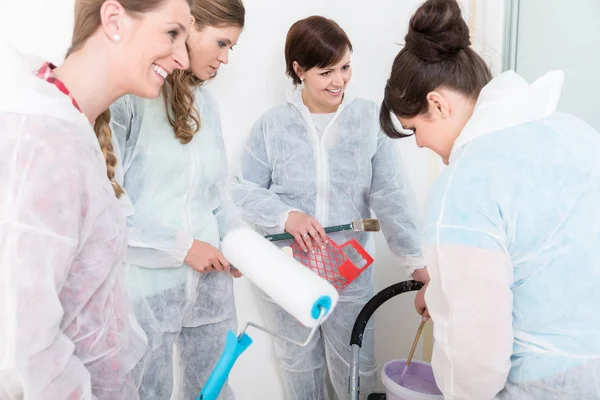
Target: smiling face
point(209, 48)
point(324, 87)
point(154, 47)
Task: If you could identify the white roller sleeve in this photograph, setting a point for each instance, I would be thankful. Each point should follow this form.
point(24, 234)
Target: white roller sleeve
point(287, 282)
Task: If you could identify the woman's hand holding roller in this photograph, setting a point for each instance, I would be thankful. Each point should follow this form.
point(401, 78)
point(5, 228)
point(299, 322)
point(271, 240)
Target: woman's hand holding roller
point(206, 258)
point(305, 229)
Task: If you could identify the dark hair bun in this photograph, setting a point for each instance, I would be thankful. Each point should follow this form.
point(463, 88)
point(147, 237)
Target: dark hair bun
point(437, 31)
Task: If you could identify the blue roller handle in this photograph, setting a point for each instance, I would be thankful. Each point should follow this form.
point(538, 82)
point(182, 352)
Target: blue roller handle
point(234, 346)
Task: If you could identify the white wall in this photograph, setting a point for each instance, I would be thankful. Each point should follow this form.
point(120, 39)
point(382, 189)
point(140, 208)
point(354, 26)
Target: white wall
point(253, 81)
point(488, 31)
point(41, 27)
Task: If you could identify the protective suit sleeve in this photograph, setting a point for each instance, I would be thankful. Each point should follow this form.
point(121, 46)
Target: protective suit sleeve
point(390, 198)
point(469, 296)
point(40, 221)
point(152, 242)
point(227, 213)
point(257, 204)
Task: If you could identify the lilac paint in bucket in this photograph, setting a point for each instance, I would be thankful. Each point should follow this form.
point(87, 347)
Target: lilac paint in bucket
point(418, 382)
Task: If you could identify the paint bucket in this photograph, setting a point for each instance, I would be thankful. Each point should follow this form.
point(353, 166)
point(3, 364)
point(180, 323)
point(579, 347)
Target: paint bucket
point(418, 382)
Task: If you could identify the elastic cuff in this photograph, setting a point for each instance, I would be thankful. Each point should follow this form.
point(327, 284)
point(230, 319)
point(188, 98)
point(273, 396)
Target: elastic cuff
point(186, 240)
point(411, 264)
point(284, 217)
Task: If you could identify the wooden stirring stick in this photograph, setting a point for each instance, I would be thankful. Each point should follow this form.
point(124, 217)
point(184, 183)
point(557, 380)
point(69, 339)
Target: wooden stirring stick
point(414, 346)
point(412, 352)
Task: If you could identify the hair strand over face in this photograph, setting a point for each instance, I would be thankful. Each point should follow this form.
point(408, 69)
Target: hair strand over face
point(179, 94)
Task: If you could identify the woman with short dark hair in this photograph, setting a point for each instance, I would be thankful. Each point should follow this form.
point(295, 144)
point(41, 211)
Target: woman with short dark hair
point(320, 159)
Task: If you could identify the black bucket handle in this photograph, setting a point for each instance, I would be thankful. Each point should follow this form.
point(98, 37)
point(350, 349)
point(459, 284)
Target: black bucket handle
point(376, 301)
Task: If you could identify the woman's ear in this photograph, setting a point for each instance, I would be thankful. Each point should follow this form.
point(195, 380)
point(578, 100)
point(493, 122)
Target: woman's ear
point(112, 16)
point(438, 106)
point(298, 70)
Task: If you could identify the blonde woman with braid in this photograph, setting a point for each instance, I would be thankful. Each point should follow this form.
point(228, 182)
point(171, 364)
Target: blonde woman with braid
point(174, 165)
point(66, 329)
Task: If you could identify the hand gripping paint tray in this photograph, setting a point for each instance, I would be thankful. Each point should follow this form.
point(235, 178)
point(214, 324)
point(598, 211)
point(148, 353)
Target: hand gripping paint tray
point(332, 262)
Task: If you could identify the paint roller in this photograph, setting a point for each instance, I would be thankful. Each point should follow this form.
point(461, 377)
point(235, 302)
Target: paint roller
point(298, 290)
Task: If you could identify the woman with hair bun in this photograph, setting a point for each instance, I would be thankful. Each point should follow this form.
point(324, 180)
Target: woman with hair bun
point(512, 227)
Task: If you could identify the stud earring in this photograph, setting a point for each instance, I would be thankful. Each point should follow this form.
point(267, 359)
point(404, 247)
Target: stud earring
point(116, 38)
